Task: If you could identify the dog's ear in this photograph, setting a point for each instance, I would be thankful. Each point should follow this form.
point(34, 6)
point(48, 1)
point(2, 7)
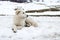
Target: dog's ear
point(17, 12)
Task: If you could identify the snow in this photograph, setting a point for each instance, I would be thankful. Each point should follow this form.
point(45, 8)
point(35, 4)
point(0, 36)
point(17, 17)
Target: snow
point(48, 29)
point(7, 7)
point(45, 13)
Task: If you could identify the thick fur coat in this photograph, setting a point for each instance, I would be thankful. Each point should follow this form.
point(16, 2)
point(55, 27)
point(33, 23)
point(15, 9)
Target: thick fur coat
point(20, 20)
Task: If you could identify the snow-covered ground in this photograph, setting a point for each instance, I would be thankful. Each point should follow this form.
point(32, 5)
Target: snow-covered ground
point(45, 13)
point(48, 29)
point(7, 7)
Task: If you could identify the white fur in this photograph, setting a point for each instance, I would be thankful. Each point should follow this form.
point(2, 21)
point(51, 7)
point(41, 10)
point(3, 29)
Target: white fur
point(31, 22)
point(21, 19)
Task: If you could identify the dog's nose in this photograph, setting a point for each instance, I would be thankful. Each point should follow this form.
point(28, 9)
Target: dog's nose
point(27, 15)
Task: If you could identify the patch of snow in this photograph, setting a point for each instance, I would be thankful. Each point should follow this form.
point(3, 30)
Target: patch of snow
point(45, 13)
point(7, 7)
point(48, 29)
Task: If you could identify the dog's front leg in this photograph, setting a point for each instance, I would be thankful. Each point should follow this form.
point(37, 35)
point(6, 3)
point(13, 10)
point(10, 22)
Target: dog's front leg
point(14, 29)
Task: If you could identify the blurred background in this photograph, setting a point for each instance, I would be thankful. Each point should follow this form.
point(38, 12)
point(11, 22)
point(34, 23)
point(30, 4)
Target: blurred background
point(22, 1)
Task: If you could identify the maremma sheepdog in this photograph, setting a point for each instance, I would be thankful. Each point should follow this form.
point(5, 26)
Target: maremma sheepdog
point(21, 20)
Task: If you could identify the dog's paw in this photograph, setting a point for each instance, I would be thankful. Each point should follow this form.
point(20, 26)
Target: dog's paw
point(14, 31)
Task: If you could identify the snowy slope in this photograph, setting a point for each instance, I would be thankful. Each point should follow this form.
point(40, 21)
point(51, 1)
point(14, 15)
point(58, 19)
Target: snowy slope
point(7, 7)
point(48, 29)
point(45, 13)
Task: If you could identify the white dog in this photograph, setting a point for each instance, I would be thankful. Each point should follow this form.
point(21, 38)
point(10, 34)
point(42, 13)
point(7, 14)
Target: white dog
point(21, 19)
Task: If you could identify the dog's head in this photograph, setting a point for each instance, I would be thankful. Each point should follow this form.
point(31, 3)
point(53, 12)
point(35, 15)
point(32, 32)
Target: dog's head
point(20, 12)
